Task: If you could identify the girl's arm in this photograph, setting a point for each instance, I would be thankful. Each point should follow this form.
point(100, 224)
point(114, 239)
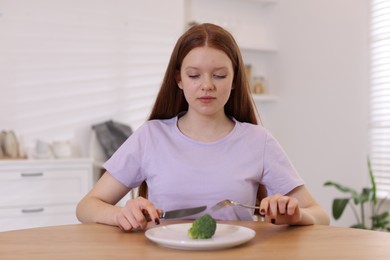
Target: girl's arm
point(98, 206)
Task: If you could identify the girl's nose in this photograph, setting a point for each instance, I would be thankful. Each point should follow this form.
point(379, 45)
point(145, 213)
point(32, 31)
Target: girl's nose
point(208, 85)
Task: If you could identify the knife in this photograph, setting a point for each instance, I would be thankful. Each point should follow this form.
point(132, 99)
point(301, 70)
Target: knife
point(178, 213)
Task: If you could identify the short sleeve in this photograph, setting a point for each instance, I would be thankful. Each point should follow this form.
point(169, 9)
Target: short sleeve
point(279, 174)
point(125, 164)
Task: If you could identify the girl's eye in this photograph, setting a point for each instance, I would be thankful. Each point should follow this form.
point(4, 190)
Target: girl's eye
point(220, 76)
point(194, 76)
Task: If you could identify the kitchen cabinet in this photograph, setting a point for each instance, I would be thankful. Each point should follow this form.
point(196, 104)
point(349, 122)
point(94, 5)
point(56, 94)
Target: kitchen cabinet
point(37, 193)
point(253, 24)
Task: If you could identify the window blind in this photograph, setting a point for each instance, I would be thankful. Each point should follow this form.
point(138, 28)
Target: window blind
point(69, 64)
point(380, 95)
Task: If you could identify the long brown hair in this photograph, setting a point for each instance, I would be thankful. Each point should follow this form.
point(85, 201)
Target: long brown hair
point(170, 100)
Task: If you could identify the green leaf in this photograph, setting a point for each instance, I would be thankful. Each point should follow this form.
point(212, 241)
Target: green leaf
point(360, 226)
point(380, 221)
point(338, 207)
point(341, 187)
point(363, 197)
point(373, 183)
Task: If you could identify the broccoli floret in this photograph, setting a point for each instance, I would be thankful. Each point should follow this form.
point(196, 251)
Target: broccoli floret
point(203, 227)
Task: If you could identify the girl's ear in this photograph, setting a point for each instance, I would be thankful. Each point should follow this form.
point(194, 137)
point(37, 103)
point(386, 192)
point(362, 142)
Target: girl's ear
point(178, 80)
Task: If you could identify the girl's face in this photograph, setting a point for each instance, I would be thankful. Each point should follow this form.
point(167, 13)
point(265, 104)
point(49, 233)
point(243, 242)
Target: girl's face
point(206, 78)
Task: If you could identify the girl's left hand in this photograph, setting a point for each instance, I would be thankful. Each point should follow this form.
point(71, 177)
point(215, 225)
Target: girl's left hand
point(279, 209)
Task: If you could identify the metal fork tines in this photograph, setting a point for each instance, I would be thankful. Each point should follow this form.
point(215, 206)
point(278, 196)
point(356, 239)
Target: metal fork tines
point(229, 203)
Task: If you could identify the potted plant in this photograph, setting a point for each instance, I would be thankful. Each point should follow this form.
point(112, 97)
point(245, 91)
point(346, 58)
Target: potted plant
point(360, 202)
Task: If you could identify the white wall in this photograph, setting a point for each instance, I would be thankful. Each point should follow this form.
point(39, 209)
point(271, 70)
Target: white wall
point(321, 118)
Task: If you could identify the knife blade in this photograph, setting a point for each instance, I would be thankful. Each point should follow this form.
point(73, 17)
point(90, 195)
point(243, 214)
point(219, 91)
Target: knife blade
point(178, 213)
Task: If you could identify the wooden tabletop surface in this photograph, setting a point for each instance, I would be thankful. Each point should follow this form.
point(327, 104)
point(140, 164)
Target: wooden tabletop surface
point(95, 241)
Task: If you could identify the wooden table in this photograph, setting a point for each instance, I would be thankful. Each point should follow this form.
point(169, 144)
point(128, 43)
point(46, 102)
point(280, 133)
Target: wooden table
point(95, 241)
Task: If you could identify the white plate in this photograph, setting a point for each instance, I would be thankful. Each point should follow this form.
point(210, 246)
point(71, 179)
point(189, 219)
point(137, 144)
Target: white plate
point(176, 236)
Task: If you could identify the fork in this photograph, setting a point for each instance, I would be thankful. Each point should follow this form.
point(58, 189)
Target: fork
point(230, 203)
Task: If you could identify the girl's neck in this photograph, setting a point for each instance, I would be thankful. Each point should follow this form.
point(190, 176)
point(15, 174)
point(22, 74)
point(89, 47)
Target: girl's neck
point(205, 128)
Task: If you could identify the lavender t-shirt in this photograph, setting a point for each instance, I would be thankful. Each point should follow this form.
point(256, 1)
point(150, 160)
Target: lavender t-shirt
point(181, 172)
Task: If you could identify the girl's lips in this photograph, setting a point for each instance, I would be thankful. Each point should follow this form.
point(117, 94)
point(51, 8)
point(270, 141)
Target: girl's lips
point(206, 99)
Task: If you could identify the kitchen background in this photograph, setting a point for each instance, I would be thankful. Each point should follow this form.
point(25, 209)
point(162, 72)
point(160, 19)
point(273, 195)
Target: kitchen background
point(66, 65)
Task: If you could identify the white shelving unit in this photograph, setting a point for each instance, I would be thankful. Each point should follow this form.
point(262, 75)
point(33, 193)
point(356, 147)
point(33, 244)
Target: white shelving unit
point(252, 23)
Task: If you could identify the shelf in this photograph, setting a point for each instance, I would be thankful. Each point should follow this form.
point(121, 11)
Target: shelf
point(252, 23)
point(264, 98)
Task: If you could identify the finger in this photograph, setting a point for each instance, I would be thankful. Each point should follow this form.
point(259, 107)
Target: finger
point(149, 218)
point(149, 212)
point(130, 215)
point(273, 207)
point(133, 214)
point(282, 204)
point(139, 217)
point(123, 223)
point(291, 206)
point(264, 206)
point(268, 208)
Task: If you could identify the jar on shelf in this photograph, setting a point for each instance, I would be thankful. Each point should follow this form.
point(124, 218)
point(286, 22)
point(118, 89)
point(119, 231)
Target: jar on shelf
point(258, 86)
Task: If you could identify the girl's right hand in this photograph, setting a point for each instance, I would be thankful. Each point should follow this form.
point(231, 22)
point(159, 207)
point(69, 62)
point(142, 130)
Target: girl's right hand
point(132, 215)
